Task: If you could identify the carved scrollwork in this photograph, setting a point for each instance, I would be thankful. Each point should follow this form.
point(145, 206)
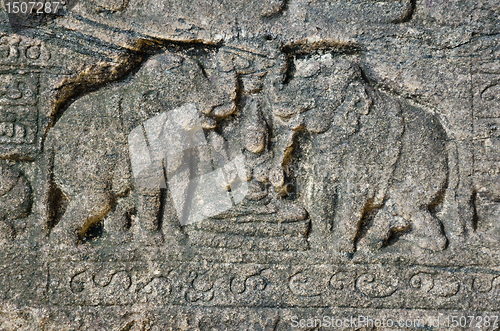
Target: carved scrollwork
point(340, 280)
point(441, 285)
point(157, 287)
point(201, 287)
point(78, 282)
point(446, 287)
point(253, 282)
point(422, 281)
point(310, 282)
point(113, 279)
point(16, 49)
point(484, 283)
point(377, 286)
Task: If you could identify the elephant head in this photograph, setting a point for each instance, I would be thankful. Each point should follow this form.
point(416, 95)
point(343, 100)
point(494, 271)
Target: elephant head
point(324, 94)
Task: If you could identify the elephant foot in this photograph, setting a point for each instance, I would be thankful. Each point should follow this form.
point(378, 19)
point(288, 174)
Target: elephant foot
point(384, 225)
point(427, 231)
point(436, 243)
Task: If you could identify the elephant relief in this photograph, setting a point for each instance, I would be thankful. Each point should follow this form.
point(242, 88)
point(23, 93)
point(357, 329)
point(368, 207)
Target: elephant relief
point(376, 164)
point(89, 156)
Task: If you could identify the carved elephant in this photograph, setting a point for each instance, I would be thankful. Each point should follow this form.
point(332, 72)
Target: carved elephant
point(372, 159)
point(91, 175)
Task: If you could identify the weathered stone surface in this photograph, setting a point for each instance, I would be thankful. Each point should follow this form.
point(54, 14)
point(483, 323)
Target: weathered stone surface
point(250, 165)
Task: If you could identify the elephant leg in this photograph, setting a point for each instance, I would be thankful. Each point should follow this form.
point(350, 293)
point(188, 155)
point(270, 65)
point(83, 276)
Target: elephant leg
point(148, 213)
point(118, 222)
point(427, 230)
point(83, 211)
point(383, 225)
point(171, 227)
point(348, 221)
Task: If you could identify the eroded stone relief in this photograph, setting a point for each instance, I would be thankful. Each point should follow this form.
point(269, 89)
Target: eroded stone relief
point(259, 158)
point(373, 154)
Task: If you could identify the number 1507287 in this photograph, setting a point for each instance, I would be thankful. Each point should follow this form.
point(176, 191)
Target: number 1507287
point(33, 7)
point(470, 321)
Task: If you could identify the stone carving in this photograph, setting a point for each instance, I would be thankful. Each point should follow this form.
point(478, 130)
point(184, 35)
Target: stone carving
point(21, 51)
point(22, 118)
point(116, 279)
point(446, 286)
point(101, 188)
point(375, 165)
point(15, 200)
point(158, 286)
point(340, 280)
point(369, 285)
point(19, 112)
point(373, 149)
point(255, 282)
point(99, 148)
point(216, 284)
point(310, 282)
point(175, 165)
point(77, 282)
point(177, 150)
point(485, 283)
point(201, 287)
